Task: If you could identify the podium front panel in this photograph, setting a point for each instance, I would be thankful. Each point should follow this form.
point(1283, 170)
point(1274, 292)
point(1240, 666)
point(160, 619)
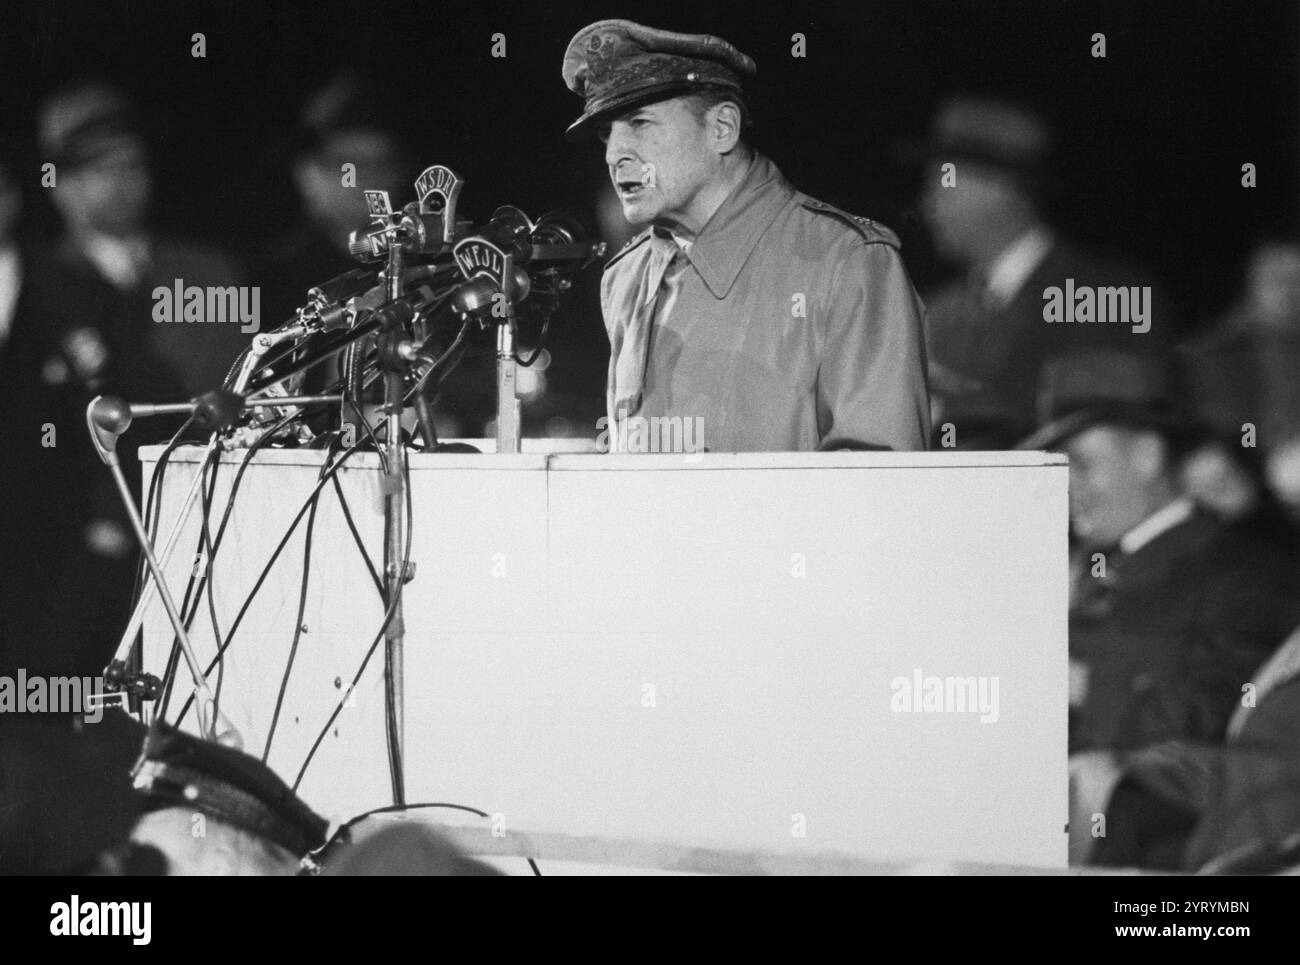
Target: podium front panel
point(842, 653)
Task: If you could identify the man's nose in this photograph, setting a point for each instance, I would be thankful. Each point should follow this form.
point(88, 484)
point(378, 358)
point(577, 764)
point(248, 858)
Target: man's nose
point(617, 145)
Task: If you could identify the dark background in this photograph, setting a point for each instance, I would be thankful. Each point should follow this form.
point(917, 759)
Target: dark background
point(1152, 137)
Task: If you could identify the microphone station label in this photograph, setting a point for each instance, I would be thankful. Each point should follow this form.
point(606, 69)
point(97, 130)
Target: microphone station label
point(378, 205)
point(442, 181)
point(478, 257)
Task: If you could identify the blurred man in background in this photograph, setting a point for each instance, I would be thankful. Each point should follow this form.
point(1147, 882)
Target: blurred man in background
point(1172, 609)
point(983, 201)
point(110, 257)
point(35, 471)
point(1242, 378)
point(92, 324)
point(1243, 367)
point(344, 146)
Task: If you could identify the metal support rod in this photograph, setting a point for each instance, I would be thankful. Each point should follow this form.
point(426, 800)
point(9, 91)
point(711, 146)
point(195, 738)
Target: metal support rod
point(507, 398)
point(149, 590)
point(276, 401)
point(204, 701)
point(394, 570)
point(507, 367)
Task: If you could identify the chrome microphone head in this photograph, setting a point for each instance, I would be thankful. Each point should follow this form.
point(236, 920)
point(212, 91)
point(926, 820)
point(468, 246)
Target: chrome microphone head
point(561, 243)
point(479, 294)
point(368, 246)
point(107, 417)
point(474, 296)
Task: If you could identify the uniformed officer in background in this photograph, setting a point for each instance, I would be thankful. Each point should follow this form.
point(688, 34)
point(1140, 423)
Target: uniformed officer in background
point(769, 320)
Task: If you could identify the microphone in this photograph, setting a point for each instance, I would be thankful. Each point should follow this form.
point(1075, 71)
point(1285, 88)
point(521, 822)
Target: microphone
point(345, 286)
point(108, 417)
point(477, 295)
point(509, 231)
point(217, 410)
point(401, 312)
point(416, 232)
point(327, 302)
point(482, 256)
point(559, 243)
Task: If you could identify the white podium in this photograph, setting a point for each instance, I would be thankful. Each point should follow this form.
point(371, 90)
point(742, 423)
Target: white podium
point(811, 659)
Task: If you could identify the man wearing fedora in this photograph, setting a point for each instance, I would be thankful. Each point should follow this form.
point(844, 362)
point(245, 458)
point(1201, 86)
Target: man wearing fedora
point(773, 321)
point(984, 200)
point(92, 308)
point(1172, 609)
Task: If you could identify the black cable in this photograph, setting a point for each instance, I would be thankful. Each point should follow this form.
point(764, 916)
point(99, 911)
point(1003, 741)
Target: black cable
point(393, 809)
point(230, 635)
point(236, 365)
point(302, 608)
point(370, 652)
point(356, 537)
point(541, 342)
point(343, 829)
point(195, 584)
point(438, 363)
point(188, 612)
point(365, 555)
point(263, 440)
point(151, 511)
point(396, 765)
point(208, 551)
point(152, 515)
point(370, 431)
point(221, 650)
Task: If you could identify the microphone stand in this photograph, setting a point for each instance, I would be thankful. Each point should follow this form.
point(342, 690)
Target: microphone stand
point(107, 419)
point(507, 367)
point(396, 575)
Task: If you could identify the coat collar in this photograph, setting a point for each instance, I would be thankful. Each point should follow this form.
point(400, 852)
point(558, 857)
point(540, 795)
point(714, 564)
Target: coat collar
point(721, 249)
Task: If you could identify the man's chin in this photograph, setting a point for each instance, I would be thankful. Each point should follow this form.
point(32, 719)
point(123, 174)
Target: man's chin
point(638, 211)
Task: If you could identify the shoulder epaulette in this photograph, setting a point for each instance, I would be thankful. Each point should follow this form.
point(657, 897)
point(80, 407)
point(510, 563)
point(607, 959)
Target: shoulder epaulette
point(634, 242)
point(871, 231)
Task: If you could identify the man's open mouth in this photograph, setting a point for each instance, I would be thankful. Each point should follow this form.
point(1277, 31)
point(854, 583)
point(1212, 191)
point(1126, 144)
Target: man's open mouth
point(630, 187)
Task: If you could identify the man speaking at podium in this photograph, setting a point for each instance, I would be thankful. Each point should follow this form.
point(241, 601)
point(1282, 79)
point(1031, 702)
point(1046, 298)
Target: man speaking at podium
point(769, 320)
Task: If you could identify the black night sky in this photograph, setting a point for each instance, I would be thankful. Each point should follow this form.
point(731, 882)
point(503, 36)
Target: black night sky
point(1152, 138)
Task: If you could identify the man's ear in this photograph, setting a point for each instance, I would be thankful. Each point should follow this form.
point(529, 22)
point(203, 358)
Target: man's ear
point(724, 126)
